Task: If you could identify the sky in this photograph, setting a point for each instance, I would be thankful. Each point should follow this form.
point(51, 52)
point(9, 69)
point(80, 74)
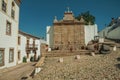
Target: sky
point(36, 15)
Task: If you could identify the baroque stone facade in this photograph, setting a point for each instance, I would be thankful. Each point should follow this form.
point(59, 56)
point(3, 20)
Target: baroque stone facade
point(68, 33)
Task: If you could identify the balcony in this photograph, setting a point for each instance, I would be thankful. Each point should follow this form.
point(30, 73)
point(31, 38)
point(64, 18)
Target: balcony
point(31, 47)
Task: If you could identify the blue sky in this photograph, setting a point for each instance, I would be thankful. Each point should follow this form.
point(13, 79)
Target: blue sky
point(35, 15)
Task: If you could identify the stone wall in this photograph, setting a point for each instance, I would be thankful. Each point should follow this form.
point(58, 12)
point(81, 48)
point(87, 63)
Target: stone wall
point(69, 35)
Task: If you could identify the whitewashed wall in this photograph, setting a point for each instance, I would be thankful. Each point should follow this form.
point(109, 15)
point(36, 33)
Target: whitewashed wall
point(38, 51)
point(114, 34)
point(104, 32)
point(90, 32)
point(22, 47)
point(49, 35)
point(6, 41)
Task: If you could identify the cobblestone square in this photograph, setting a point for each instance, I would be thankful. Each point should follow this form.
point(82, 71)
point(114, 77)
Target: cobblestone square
point(98, 67)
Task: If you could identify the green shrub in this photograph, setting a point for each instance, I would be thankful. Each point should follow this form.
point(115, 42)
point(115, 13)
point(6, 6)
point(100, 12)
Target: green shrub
point(32, 59)
point(24, 59)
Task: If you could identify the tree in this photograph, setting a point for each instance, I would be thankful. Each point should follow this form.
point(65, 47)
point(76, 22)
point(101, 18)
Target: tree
point(89, 18)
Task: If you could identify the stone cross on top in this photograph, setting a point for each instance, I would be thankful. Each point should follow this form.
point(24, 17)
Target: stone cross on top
point(68, 9)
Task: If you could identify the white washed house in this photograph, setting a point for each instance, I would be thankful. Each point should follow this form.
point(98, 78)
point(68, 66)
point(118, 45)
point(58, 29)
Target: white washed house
point(112, 32)
point(115, 34)
point(104, 33)
point(28, 46)
point(9, 21)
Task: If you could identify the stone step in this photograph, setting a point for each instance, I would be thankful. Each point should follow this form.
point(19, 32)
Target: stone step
point(66, 53)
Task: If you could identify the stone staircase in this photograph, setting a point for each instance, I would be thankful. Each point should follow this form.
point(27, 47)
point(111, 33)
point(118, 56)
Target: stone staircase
point(59, 53)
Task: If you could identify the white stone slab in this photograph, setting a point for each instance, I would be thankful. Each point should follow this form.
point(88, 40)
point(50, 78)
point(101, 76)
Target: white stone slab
point(77, 57)
point(60, 60)
point(92, 53)
point(114, 48)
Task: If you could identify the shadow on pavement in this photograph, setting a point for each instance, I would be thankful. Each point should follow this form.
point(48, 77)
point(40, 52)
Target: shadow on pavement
point(24, 78)
point(32, 74)
point(34, 64)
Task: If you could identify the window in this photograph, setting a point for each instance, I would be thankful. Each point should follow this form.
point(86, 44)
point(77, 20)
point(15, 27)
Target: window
point(19, 40)
point(13, 10)
point(8, 28)
point(11, 55)
point(4, 5)
point(27, 42)
point(18, 55)
point(33, 42)
point(27, 51)
point(1, 57)
point(28, 54)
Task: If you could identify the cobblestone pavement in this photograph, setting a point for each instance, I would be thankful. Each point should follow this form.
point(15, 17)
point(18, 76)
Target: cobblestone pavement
point(19, 72)
point(98, 67)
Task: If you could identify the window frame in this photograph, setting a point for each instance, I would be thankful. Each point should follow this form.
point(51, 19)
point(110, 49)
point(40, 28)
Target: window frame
point(13, 13)
point(13, 10)
point(19, 40)
point(8, 25)
point(11, 59)
point(4, 6)
point(19, 55)
point(2, 49)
